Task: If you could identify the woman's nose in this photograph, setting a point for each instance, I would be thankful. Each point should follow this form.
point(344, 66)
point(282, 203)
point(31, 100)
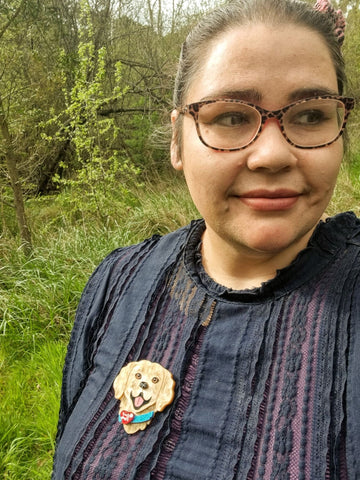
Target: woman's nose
point(270, 150)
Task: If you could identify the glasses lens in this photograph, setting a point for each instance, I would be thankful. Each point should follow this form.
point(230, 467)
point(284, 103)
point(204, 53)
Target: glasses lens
point(227, 125)
point(314, 122)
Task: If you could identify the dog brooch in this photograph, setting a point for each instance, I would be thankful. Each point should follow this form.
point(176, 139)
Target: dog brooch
point(143, 389)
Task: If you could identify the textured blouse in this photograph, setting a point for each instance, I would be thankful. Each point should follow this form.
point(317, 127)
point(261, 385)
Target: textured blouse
point(267, 380)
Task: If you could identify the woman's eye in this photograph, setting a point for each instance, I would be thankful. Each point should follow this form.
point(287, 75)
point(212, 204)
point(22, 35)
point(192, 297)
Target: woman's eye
point(310, 117)
point(230, 119)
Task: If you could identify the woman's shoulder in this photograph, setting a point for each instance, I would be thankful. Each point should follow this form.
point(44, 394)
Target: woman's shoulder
point(338, 231)
point(157, 250)
point(349, 221)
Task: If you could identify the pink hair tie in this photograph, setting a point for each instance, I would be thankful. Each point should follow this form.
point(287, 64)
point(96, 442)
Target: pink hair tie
point(324, 6)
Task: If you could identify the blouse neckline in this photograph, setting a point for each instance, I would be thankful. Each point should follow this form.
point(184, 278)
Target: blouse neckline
point(328, 238)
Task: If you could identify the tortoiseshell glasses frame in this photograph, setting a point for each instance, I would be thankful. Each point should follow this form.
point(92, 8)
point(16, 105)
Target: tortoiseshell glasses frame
point(309, 123)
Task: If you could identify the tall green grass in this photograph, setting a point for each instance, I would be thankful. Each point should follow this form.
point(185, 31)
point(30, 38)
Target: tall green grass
point(38, 300)
point(39, 295)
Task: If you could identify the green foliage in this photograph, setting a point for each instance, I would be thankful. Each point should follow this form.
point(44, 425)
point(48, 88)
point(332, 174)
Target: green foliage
point(145, 154)
point(347, 191)
point(355, 172)
point(100, 166)
point(351, 50)
point(28, 418)
point(38, 299)
point(8, 225)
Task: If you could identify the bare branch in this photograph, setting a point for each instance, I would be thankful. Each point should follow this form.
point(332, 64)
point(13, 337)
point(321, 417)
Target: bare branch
point(109, 111)
point(10, 21)
point(131, 63)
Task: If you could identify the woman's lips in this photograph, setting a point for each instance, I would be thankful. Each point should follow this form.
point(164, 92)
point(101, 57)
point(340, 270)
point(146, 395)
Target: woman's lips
point(266, 200)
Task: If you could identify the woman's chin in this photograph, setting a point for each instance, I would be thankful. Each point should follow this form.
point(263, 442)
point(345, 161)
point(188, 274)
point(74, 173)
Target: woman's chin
point(274, 240)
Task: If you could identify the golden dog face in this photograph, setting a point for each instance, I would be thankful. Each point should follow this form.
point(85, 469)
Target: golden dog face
point(143, 389)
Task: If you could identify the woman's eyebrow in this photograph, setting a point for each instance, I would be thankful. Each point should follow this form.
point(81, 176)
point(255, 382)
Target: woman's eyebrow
point(253, 95)
point(248, 95)
point(303, 93)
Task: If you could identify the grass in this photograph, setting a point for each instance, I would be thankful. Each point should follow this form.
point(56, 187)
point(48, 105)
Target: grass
point(38, 300)
point(347, 192)
point(39, 295)
point(29, 408)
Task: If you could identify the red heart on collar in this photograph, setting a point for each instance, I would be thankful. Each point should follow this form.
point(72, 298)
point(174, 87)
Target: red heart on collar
point(126, 417)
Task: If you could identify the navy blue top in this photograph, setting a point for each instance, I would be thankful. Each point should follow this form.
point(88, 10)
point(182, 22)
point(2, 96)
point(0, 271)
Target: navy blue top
point(267, 383)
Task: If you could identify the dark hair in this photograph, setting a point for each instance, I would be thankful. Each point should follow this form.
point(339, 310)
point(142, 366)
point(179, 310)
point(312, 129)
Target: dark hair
point(246, 12)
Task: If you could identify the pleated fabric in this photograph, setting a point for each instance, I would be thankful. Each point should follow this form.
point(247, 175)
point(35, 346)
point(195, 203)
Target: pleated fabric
point(265, 379)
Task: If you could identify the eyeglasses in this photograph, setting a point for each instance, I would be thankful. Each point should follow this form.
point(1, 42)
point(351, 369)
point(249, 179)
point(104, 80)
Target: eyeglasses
point(232, 124)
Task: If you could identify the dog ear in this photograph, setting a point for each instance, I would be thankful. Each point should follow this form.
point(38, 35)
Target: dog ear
point(167, 392)
point(121, 380)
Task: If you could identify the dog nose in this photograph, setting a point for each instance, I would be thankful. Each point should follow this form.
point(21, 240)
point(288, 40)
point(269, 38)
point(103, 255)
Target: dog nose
point(144, 385)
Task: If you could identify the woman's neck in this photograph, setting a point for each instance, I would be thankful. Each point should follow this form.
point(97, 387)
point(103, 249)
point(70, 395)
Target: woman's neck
point(242, 268)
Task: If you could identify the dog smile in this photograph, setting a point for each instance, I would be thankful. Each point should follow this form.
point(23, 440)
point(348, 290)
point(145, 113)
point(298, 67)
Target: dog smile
point(143, 388)
point(139, 401)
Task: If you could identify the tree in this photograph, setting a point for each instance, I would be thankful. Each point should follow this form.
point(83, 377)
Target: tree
point(10, 153)
point(99, 166)
point(40, 50)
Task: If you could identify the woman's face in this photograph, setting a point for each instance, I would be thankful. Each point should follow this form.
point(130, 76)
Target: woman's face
point(268, 197)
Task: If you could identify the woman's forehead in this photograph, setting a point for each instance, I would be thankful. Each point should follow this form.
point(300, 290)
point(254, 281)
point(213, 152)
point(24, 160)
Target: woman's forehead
point(261, 60)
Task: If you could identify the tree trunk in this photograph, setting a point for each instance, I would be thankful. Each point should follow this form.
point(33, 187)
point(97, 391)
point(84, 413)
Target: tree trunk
point(15, 183)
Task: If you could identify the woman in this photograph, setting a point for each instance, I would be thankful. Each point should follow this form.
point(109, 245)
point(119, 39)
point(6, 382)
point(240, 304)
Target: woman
point(254, 310)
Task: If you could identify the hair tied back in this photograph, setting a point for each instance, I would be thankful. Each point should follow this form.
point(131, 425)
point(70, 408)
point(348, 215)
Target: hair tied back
point(324, 6)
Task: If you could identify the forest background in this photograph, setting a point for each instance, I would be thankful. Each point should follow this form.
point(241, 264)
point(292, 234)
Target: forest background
point(85, 96)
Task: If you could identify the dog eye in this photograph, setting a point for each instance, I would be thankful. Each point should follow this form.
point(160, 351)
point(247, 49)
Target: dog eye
point(155, 380)
point(138, 375)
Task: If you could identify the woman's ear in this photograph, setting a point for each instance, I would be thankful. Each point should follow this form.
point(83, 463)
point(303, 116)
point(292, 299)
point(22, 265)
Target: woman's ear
point(175, 155)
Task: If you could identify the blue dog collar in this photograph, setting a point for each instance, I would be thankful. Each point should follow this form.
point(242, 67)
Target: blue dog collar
point(140, 418)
